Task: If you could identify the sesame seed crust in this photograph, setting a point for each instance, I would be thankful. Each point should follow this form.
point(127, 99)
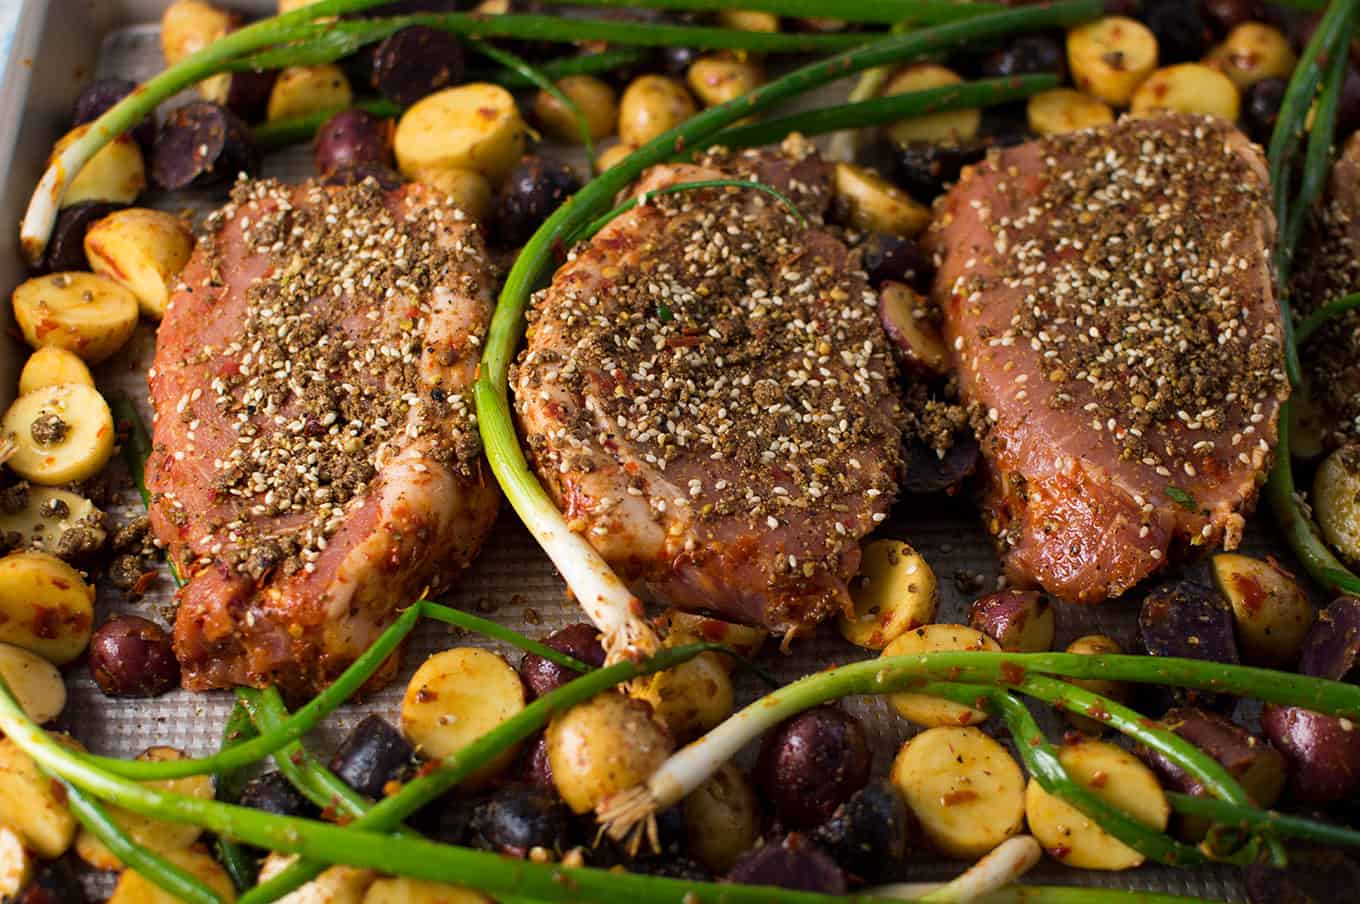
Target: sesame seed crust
point(313, 423)
point(709, 395)
point(1118, 278)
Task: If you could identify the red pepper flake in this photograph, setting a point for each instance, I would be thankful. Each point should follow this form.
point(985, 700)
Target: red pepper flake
point(961, 796)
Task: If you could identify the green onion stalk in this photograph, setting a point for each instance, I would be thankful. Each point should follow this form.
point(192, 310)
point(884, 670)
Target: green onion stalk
point(169, 877)
point(882, 12)
point(227, 786)
point(1027, 672)
point(606, 599)
point(881, 110)
point(1322, 64)
point(361, 846)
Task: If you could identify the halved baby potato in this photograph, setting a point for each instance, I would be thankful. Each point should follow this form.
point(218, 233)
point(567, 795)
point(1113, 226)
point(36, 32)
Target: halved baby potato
point(965, 789)
point(457, 696)
point(690, 698)
point(188, 26)
point(48, 515)
point(1117, 777)
point(465, 187)
point(1110, 57)
point(923, 709)
point(474, 126)
point(905, 318)
point(950, 127)
point(1271, 611)
point(1188, 88)
point(303, 90)
point(133, 888)
point(116, 173)
point(62, 433)
point(16, 865)
point(33, 806)
point(90, 316)
point(1252, 52)
point(161, 837)
point(142, 250)
point(894, 593)
point(1063, 110)
point(873, 204)
point(717, 78)
point(45, 606)
point(1095, 645)
point(52, 366)
point(337, 885)
point(399, 890)
point(1336, 501)
point(34, 681)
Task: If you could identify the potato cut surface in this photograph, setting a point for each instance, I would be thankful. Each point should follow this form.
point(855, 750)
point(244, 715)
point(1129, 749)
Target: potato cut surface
point(45, 606)
point(82, 313)
point(62, 433)
point(49, 515)
point(457, 696)
point(32, 808)
point(132, 888)
point(34, 681)
point(142, 250)
point(934, 711)
point(52, 366)
point(474, 126)
point(942, 128)
point(895, 593)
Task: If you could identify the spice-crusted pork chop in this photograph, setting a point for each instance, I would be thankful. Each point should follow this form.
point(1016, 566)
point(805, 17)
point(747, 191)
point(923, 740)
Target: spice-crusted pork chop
point(1328, 268)
point(316, 463)
point(709, 396)
point(1108, 299)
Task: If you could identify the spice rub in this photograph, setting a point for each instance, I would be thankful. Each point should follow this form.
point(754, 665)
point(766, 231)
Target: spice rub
point(1109, 305)
point(709, 396)
point(316, 462)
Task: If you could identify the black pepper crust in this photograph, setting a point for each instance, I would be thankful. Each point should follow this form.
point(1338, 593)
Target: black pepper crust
point(709, 372)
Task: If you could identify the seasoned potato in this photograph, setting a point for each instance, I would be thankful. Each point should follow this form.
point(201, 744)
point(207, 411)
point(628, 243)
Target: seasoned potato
point(1095, 645)
point(873, 204)
point(1110, 57)
point(612, 155)
point(337, 885)
point(62, 433)
point(1252, 52)
point(187, 26)
point(904, 314)
point(652, 104)
point(143, 250)
point(722, 819)
point(1021, 621)
point(52, 366)
point(396, 890)
point(965, 790)
point(466, 187)
point(16, 865)
point(607, 744)
point(45, 606)
point(717, 78)
point(1063, 110)
point(597, 100)
point(748, 20)
point(1272, 612)
point(938, 128)
point(690, 698)
point(930, 711)
point(1188, 88)
point(88, 315)
point(1117, 777)
point(48, 515)
point(33, 808)
point(894, 593)
point(457, 696)
point(1336, 501)
point(158, 836)
point(301, 90)
point(117, 173)
point(475, 126)
point(132, 888)
point(34, 681)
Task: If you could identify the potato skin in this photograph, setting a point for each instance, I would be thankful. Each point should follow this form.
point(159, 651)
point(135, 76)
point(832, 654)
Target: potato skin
point(1250, 759)
point(1272, 612)
point(1323, 752)
point(117, 173)
point(1188, 88)
point(473, 126)
point(812, 763)
point(1091, 645)
point(602, 746)
point(34, 681)
point(1063, 110)
point(132, 888)
point(952, 127)
point(923, 709)
point(717, 78)
point(37, 814)
point(46, 605)
point(596, 99)
point(1021, 621)
point(1336, 501)
point(1333, 642)
point(1110, 57)
point(52, 366)
point(690, 698)
point(895, 592)
point(871, 203)
point(722, 818)
point(142, 250)
point(915, 339)
point(302, 90)
point(652, 104)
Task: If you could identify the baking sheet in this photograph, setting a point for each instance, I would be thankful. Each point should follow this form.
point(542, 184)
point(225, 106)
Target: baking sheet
point(512, 581)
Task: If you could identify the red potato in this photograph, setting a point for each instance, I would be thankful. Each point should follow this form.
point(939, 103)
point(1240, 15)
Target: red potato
point(1332, 644)
point(1323, 752)
point(1251, 760)
point(1021, 621)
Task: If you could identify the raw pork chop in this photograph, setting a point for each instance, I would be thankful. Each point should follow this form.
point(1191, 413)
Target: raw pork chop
point(708, 395)
point(1108, 298)
point(316, 463)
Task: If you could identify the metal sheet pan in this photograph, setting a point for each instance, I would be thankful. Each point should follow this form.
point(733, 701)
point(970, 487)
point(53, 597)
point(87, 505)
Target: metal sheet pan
point(61, 44)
